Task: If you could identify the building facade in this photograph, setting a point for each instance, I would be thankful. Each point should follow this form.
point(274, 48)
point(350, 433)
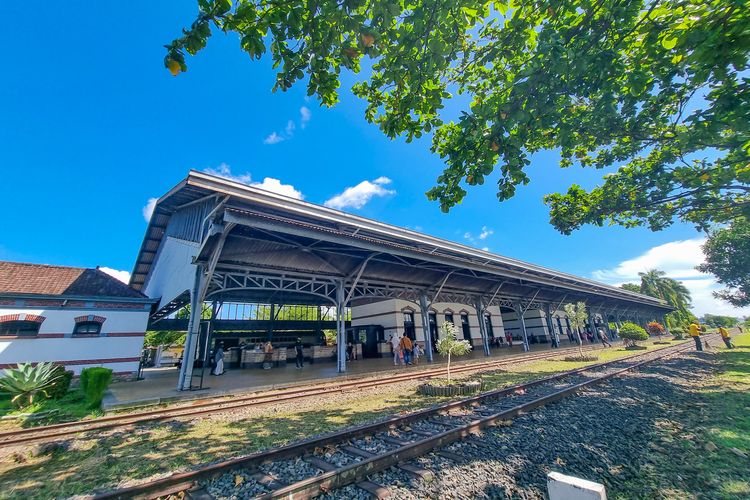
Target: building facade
point(75, 317)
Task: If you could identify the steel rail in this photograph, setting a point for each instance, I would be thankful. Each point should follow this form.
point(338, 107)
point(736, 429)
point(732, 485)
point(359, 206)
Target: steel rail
point(342, 476)
point(67, 429)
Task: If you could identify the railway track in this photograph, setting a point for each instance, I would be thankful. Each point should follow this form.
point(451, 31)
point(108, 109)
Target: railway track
point(199, 408)
point(348, 457)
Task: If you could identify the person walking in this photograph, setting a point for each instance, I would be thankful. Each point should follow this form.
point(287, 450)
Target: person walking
point(219, 359)
point(268, 355)
point(298, 353)
point(349, 352)
point(695, 332)
point(417, 352)
point(509, 339)
point(396, 346)
point(604, 337)
point(406, 347)
point(725, 337)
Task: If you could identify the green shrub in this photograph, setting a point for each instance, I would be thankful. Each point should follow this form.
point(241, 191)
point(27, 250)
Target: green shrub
point(25, 381)
point(94, 382)
point(60, 387)
point(631, 333)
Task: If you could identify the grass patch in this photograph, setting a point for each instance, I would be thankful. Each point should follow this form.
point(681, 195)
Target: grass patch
point(704, 452)
point(110, 458)
point(72, 406)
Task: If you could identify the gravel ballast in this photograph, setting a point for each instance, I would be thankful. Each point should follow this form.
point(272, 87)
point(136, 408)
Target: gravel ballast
point(603, 434)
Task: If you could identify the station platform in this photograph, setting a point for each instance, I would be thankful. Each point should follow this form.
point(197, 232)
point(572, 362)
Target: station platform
point(158, 385)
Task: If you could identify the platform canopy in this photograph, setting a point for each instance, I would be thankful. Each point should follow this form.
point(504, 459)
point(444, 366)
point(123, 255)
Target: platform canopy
point(258, 244)
point(212, 238)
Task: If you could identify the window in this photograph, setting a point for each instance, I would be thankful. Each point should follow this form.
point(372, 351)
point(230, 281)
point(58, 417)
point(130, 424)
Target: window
point(20, 328)
point(408, 317)
point(87, 328)
point(449, 318)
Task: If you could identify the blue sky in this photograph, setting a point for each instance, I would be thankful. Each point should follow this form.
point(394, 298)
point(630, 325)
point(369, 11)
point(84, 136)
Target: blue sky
point(92, 126)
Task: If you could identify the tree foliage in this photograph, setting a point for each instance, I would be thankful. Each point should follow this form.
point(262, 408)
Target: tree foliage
point(657, 89)
point(655, 283)
point(631, 287)
point(577, 316)
point(632, 333)
point(717, 321)
point(727, 253)
point(448, 345)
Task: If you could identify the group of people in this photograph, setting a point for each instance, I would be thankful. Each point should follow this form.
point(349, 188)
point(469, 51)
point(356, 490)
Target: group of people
point(695, 332)
point(405, 350)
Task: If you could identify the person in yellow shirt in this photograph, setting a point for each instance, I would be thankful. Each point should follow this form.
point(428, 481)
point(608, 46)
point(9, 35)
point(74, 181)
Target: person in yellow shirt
point(725, 337)
point(695, 332)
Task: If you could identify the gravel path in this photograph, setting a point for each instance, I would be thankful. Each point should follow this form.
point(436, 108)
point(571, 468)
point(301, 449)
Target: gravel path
point(603, 434)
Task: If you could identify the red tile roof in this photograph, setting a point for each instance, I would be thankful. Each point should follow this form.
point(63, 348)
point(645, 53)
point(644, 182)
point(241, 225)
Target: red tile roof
point(42, 279)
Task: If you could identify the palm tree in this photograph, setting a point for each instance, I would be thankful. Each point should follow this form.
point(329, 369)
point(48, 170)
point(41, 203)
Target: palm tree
point(655, 283)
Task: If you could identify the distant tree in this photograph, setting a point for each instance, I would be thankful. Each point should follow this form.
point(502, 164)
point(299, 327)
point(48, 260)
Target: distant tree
point(448, 345)
point(717, 321)
point(166, 338)
point(727, 253)
point(654, 283)
point(657, 89)
point(631, 287)
point(577, 316)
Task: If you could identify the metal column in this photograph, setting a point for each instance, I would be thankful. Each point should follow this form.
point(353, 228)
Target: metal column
point(479, 307)
point(425, 313)
point(519, 313)
point(191, 339)
point(554, 337)
point(340, 330)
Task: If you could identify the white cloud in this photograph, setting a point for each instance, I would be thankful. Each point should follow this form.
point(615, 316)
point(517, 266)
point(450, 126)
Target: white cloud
point(304, 116)
point(482, 235)
point(148, 209)
point(225, 171)
point(274, 138)
point(123, 276)
point(357, 196)
point(275, 186)
point(268, 184)
point(291, 126)
point(678, 260)
point(485, 232)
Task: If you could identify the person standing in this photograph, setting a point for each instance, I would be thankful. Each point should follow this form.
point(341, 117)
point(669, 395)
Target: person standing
point(298, 353)
point(695, 332)
point(219, 359)
point(349, 352)
point(406, 347)
point(725, 337)
point(417, 353)
point(509, 338)
point(604, 337)
point(396, 346)
point(268, 356)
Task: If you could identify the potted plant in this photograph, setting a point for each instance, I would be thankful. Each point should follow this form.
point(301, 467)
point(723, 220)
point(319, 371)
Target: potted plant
point(449, 346)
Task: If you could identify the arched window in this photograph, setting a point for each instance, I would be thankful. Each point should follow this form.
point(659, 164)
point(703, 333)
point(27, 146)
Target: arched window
point(87, 328)
point(88, 325)
point(19, 328)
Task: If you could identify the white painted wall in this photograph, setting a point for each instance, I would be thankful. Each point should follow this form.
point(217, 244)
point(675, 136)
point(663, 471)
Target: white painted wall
point(62, 320)
point(97, 349)
point(175, 272)
point(389, 314)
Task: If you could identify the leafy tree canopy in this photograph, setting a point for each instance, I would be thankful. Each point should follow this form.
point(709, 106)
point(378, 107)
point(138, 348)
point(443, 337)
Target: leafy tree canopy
point(631, 287)
point(656, 88)
point(717, 321)
point(655, 283)
point(728, 258)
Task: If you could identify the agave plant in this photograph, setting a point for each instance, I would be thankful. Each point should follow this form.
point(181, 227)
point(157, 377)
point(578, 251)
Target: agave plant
point(27, 380)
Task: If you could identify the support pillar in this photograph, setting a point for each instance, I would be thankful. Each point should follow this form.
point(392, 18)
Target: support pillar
point(553, 336)
point(425, 313)
point(184, 380)
point(519, 313)
point(479, 308)
point(340, 330)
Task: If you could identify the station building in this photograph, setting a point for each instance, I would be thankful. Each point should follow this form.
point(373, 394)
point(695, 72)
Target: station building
point(72, 316)
point(231, 263)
